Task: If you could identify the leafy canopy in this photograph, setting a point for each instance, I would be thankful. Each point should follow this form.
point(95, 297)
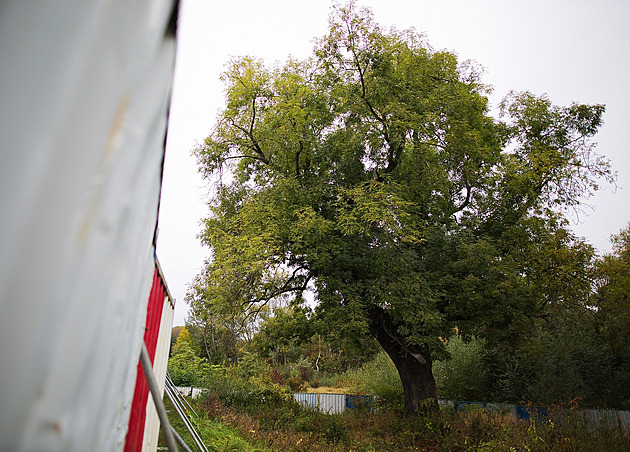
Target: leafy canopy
point(374, 175)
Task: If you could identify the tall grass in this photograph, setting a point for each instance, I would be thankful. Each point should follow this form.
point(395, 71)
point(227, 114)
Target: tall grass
point(289, 427)
point(218, 436)
point(378, 378)
point(243, 410)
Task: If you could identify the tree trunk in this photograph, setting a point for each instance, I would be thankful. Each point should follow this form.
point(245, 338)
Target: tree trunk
point(414, 364)
point(205, 342)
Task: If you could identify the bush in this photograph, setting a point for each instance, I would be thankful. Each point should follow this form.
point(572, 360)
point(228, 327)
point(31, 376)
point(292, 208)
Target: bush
point(296, 384)
point(379, 378)
point(323, 379)
point(463, 376)
point(247, 386)
point(186, 368)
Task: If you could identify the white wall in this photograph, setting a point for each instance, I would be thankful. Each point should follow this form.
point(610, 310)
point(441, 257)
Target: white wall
point(84, 93)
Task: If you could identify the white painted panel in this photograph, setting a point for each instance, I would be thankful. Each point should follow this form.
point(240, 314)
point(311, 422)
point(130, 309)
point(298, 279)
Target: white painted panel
point(84, 89)
point(310, 400)
point(332, 403)
point(189, 391)
point(624, 420)
point(152, 424)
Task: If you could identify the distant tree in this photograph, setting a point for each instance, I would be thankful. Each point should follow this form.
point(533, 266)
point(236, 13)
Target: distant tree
point(613, 292)
point(283, 336)
point(184, 336)
point(612, 304)
point(212, 339)
point(374, 173)
point(174, 335)
point(292, 333)
point(184, 366)
point(221, 329)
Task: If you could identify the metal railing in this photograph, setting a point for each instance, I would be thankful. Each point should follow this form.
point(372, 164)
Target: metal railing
point(183, 407)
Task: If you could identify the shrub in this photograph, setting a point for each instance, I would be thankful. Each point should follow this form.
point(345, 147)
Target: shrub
point(186, 368)
point(245, 387)
point(379, 378)
point(296, 384)
point(463, 375)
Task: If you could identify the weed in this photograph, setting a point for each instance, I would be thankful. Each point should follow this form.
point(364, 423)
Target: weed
point(287, 426)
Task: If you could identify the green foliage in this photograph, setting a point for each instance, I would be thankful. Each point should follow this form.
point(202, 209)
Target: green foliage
point(560, 360)
point(576, 351)
point(247, 386)
point(379, 378)
point(289, 428)
point(613, 294)
point(374, 174)
point(184, 366)
point(463, 376)
point(283, 336)
point(215, 337)
point(572, 363)
point(303, 352)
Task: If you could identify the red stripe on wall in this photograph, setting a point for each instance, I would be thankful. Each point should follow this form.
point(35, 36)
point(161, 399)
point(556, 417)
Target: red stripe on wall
point(133, 442)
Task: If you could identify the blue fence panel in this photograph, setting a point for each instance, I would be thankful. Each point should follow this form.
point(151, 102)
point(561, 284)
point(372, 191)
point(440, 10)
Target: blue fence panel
point(359, 402)
point(526, 413)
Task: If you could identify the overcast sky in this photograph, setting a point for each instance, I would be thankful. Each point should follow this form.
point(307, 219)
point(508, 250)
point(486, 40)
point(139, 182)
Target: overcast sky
point(571, 50)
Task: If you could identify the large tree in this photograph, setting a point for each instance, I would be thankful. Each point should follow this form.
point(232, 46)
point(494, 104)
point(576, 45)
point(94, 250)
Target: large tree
point(374, 174)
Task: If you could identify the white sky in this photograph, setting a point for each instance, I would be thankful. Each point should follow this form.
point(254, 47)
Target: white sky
point(572, 50)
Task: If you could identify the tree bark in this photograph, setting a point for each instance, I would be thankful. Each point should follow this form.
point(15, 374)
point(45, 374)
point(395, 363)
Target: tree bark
point(414, 364)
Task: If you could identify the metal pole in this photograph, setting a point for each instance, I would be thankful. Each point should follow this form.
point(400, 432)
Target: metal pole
point(157, 400)
point(169, 381)
point(173, 395)
point(180, 441)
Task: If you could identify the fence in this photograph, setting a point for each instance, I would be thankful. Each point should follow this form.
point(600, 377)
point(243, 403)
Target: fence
point(604, 418)
point(334, 403)
point(338, 403)
point(188, 391)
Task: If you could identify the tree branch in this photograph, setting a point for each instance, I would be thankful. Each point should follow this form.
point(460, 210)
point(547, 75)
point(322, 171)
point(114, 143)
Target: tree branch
point(250, 134)
point(466, 201)
point(297, 158)
point(359, 68)
point(262, 301)
point(382, 318)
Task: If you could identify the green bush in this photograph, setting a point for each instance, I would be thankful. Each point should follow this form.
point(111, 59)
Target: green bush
point(186, 368)
point(379, 378)
point(333, 429)
point(463, 376)
point(323, 379)
point(247, 386)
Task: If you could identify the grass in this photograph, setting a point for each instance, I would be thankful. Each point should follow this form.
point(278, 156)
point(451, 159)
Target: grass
point(327, 390)
point(289, 428)
point(217, 436)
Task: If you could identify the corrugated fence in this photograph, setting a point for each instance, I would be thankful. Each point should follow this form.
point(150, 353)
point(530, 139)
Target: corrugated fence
point(326, 403)
point(338, 403)
point(188, 391)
